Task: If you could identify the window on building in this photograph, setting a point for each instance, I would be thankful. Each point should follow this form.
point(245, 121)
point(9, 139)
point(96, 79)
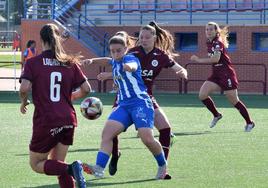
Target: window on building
point(232, 42)
point(260, 41)
point(186, 42)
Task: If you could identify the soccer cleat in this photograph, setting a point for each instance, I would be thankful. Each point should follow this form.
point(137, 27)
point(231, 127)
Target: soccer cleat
point(162, 173)
point(215, 120)
point(96, 170)
point(249, 126)
point(113, 164)
point(172, 139)
point(78, 175)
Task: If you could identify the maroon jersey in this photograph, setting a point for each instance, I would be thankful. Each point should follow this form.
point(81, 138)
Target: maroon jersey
point(151, 64)
point(223, 72)
point(224, 65)
point(52, 86)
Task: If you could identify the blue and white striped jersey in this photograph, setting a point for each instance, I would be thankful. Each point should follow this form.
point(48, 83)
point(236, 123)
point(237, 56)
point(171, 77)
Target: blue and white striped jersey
point(130, 84)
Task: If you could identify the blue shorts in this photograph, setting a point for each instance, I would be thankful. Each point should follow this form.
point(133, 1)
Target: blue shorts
point(141, 115)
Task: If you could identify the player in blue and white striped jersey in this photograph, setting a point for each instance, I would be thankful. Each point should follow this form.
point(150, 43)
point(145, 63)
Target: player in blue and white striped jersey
point(130, 83)
point(134, 107)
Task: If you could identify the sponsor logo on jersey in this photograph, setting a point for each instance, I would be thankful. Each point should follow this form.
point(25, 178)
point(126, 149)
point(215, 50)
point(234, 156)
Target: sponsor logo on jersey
point(57, 130)
point(147, 73)
point(154, 63)
point(140, 113)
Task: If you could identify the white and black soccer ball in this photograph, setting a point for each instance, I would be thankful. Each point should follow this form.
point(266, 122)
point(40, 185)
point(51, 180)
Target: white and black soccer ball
point(91, 108)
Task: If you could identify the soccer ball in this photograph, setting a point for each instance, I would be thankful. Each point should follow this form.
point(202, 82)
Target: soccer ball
point(91, 108)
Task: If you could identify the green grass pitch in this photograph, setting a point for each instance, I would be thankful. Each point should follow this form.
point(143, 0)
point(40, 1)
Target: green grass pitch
point(222, 157)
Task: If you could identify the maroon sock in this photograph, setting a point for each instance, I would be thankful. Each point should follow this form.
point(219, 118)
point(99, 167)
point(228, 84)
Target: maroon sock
point(55, 167)
point(115, 147)
point(164, 139)
point(243, 111)
point(208, 102)
point(66, 181)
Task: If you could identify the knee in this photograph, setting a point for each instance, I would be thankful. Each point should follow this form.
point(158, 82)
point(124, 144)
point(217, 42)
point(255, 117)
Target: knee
point(33, 165)
point(232, 99)
point(202, 96)
point(148, 141)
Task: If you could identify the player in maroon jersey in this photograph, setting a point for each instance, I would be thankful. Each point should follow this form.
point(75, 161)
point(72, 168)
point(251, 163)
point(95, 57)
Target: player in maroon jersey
point(53, 76)
point(223, 75)
point(155, 52)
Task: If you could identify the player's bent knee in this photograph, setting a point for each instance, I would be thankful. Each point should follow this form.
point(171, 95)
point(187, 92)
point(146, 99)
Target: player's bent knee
point(33, 165)
point(202, 96)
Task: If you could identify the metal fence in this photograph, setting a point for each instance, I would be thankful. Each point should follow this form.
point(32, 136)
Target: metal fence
point(171, 12)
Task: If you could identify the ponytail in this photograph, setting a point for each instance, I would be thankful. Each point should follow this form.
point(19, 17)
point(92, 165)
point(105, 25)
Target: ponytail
point(50, 34)
point(164, 40)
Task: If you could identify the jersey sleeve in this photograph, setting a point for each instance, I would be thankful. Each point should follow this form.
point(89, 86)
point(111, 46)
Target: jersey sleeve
point(111, 62)
point(130, 59)
point(27, 72)
point(79, 77)
point(168, 62)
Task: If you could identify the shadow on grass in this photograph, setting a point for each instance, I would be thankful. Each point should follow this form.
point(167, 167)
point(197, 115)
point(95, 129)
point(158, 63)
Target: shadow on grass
point(97, 149)
point(177, 134)
point(83, 150)
point(192, 133)
point(94, 183)
point(203, 133)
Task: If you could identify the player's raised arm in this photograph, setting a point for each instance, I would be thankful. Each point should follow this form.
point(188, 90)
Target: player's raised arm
point(99, 60)
point(212, 59)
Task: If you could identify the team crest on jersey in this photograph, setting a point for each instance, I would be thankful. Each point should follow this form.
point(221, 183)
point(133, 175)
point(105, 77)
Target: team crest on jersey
point(217, 47)
point(154, 63)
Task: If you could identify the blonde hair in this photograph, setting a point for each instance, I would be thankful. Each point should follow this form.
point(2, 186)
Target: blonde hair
point(222, 33)
point(130, 40)
point(50, 34)
point(164, 40)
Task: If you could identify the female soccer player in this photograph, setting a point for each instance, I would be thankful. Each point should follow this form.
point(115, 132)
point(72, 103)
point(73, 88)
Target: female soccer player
point(155, 52)
point(52, 76)
point(223, 75)
point(134, 106)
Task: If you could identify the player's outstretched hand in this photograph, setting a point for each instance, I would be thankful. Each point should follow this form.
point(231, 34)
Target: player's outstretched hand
point(183, 73)
point(104, 76)
point(23, 107)
point(86, 62)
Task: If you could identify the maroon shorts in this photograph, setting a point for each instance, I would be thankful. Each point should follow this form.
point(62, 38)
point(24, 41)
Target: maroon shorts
point(155, 104)
point(226, 82)
point(44, 138)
